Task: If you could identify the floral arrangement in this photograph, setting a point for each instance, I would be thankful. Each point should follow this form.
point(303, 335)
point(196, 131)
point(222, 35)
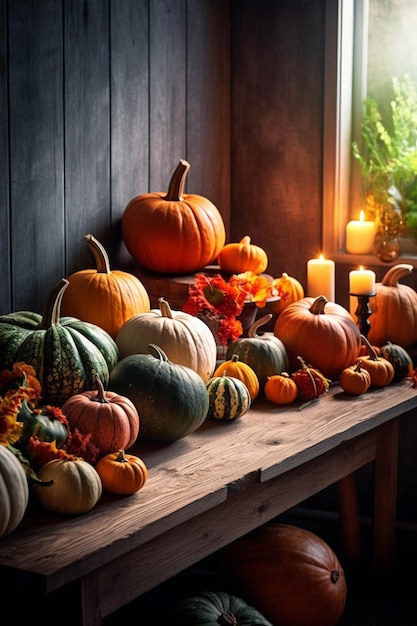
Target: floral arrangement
point(221, 301)
point(21, 389)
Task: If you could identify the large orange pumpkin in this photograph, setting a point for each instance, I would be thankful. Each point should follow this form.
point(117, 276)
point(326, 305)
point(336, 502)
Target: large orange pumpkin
point(104, 297)
point(393, 310)
point(174, 232)
point(290, 574)
point(323, 333)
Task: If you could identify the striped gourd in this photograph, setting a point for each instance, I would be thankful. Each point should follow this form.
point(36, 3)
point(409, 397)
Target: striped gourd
point(66, 353)
point(229, 398)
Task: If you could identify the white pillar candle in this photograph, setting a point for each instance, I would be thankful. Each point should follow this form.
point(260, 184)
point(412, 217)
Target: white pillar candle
point(360, 235)
point(320, 278)
point(362, 282)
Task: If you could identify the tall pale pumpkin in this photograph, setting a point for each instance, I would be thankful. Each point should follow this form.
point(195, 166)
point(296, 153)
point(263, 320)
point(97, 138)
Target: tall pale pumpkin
point(185, 339)
point(174, 232)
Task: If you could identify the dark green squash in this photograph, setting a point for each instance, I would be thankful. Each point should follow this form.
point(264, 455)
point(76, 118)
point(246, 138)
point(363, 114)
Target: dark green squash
point(216, 608)
point(66, 353)
point(171, 399)
point(42, 423)
point(265, 354)
point(399, 358)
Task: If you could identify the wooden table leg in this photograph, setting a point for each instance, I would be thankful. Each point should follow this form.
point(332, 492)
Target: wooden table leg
point(385, 496)
point(349, 518)
point(91, 614)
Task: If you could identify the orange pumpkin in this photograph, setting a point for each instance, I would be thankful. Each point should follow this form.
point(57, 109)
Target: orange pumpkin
point(323, 332)
point(381, 370)
point(393, 310)
point(290, 574)
point(174, 232)
point(289, 289)
point(238, 369)
point(122, 474)
point(112, 419)
point(280, 389)
point(103, 297)
point(355, 380)
point(236, 258)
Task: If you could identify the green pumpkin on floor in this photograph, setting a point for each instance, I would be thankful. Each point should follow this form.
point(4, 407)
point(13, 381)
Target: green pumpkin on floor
point(216, 608)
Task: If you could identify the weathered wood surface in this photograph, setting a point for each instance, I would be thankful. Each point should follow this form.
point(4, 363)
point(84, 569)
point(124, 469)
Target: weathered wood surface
point(215, 465)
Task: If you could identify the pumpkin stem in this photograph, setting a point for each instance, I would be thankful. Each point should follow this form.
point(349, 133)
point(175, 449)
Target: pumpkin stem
point(100, 255)
point(100, 397)
point(252, 334)
point(245, 241)
point(394, 274)
point(335, 575)
point(371, 352)
point(177, 182)
point(165, 309)
point(52, 308)
point(227, 619)
point(157, 352)
point(317, 308)
point(121, 458)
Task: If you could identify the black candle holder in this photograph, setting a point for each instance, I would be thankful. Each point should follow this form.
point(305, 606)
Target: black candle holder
point(363, 311)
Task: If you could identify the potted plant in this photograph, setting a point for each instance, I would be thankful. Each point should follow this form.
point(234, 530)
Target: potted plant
point(388, 163)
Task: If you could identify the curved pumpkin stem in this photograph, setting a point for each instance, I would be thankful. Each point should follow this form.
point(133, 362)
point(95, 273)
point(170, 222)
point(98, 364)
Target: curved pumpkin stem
point(394, 274)
point(157, 352)
point(165, 309)
point(227, 619)
point(252, 334)
point(121, 458)
point(177, 182)
point(317, 308)
point(52, 308)
point(101, 396)
point(100, 255)
point(371, 352)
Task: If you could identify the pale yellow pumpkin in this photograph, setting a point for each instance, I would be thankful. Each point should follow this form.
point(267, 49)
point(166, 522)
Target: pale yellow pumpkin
point(76, 486)
point(14, 491)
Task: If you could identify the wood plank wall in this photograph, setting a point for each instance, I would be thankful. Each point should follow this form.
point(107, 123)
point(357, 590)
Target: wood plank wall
point(99, 100)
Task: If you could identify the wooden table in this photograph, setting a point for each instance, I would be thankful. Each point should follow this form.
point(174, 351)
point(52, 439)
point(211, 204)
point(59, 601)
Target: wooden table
point(211, 487)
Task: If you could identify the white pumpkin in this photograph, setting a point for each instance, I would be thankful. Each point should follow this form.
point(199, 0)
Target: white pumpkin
point(14, 491)
point(185, 339)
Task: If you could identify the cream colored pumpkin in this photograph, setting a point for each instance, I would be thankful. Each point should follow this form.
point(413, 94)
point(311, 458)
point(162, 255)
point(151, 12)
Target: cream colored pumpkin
point(14, 491)
point(185, 339)
point(76, 486)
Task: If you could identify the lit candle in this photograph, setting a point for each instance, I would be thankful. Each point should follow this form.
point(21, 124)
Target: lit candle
point(320, 278)
point(362, 282)
point(360, 235)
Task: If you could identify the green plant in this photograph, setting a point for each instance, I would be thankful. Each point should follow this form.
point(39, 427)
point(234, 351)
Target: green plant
point(388, 156)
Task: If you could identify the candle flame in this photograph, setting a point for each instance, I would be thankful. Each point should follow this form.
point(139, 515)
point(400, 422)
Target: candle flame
point(361, 268)
point(361, 216)
point(321, 257)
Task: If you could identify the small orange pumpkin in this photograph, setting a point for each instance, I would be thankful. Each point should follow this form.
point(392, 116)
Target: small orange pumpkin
point(381, 370)
point(174, 232)
point(280, 389)
point(238, 369)
point(122, 474)
point(289, 289)
point(236, 258)
point(112, 419)
point(104, 297)
point(355, 380)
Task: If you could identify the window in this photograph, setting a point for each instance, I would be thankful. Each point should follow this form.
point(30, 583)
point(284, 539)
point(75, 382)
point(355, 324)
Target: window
point(368, 42)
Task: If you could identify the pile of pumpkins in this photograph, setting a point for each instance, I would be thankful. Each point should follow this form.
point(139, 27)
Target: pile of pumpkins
point(121, 371)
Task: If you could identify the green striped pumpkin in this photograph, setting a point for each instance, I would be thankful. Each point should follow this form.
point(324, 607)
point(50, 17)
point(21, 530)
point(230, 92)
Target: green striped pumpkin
point(229, 398)
point(65, 352)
